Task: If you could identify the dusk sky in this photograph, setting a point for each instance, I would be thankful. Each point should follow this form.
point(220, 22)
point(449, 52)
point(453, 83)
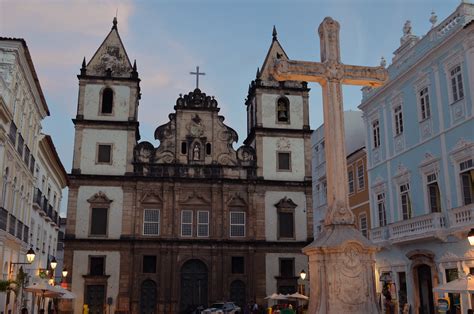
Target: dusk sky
point(227, 39)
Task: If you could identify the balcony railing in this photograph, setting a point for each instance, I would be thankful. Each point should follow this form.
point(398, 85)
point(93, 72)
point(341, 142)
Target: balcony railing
point(20, 145)
point(26, 156)
point(426, 226)
point(37, 198)
point(12, 133)
point(19, 229)
point(12, 224)
point(32, 164)
point(3, 218)
point(26, 233)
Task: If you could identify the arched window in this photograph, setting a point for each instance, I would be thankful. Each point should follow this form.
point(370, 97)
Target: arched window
point(283, 109)
point(107, 100)
point(5, 188)
point(14, 195)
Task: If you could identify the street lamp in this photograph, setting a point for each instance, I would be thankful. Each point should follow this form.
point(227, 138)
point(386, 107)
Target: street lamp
point(30, 257)
point(64, 272)
point(303, 277)
point(470, 237)
point(53, 263)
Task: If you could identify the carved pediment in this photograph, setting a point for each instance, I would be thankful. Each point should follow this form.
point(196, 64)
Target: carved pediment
point(449, 256)
point(237, 201)
point(99, 197)
point(151, 197)
point(194, 199)
point(196, 100)
point(286, 203)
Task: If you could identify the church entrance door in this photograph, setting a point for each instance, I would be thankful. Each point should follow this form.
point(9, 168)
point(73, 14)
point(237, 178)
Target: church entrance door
point(193, 285)
point(237, 293)
point(425, 289)
point(95, 298)
point(148, 297)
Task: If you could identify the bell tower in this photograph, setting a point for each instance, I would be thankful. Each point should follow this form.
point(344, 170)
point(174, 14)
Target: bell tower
point(278, 122)
point(106, 125)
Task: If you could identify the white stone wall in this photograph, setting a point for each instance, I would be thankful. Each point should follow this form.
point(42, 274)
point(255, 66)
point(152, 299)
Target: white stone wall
point(269, 112)
point(92, 99)
point(81, 267)
point(270, 147)
point(90, 139)
point(272, 268)
point(114, 222)
point(271, 216)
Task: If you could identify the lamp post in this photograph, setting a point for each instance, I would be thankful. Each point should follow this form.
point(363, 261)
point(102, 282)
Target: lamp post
point(53, 265)
point(30, 257)
point(470, 237)
point(303, 277)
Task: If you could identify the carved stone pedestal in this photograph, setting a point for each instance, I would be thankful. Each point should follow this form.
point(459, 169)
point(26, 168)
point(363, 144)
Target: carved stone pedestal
point(341, 270)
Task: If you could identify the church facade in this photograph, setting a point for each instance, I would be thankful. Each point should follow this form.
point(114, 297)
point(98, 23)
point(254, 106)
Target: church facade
point(193, 221)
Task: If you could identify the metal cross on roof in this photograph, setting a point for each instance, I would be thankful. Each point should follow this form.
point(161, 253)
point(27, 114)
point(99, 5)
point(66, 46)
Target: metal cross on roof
point(197, 73)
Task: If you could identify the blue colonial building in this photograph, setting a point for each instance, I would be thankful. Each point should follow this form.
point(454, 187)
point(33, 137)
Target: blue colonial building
point(420, 155)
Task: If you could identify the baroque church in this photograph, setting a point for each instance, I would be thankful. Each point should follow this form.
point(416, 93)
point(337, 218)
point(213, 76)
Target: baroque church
point(193, 221)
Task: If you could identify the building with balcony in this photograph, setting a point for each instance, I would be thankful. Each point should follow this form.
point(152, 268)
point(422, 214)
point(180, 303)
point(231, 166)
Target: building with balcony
point(24, 154)
point(356, 169)
point(420, 154)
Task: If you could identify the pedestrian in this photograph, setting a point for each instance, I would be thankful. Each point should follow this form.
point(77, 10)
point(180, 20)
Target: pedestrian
point(255, 308)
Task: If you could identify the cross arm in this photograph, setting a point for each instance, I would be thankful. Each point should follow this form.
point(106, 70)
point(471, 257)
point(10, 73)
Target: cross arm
point(291, 70)
point(365, 76)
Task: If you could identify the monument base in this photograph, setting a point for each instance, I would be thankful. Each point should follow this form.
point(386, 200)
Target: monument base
point(342, 270)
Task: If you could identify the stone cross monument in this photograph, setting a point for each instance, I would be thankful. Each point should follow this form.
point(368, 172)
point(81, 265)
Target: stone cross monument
point(341, 260)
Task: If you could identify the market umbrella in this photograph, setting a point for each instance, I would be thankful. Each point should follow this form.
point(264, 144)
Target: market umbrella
point(275, 296)
point(298, 296)
point(66, 294)
point(43, 289)
point(464, 284)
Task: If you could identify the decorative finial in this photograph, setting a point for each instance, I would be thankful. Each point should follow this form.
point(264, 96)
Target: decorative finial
point(274, 33)
point(115, 23)
point(83, 68)
point(135, 65)
point(258, 73)
point(383, 62)
point(433, 19)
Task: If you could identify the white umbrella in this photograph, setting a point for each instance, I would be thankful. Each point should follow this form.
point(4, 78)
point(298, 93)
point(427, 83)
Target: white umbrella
point(460, 285)
point(66, 294)
point(298, 296)
point(275, 296)
point(42, 288)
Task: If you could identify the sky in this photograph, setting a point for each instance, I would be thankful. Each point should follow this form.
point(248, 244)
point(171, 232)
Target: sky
point(227, 39)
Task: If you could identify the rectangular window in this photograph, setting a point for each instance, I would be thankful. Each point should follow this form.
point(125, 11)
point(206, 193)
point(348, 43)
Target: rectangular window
point(284, 162)
point(286, 225)
point(99, 221)
point(151, 222)
point(237, 224)
point(456, 83)
point(405, 201)
point(397, 112)
point(325, 193)
point(381, 209)
point(363, 224)
point(187, 223)
point(350, 175)
point(104, 154)
point(360, 177)
point(97, 265)
point(238, 266)
point(424, 100)
point(433, 193)
point(203, 223)
point(376, 133)
point(453, 274)
point(149, 264)
point(467, 181)
point(287, 267)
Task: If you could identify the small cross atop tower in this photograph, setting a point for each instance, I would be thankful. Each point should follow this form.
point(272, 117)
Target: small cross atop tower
point(197, 73)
